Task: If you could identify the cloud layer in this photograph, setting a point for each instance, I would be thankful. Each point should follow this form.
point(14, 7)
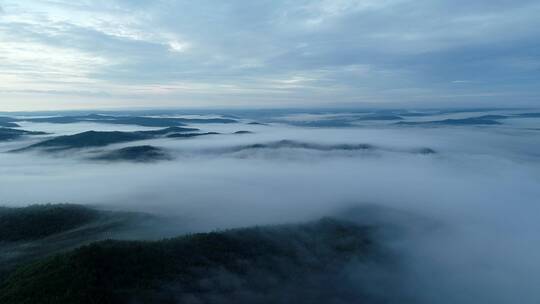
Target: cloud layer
point(481, 189)
point(57, 54)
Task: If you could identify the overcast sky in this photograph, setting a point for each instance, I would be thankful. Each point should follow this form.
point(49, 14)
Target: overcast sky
point(126, 53)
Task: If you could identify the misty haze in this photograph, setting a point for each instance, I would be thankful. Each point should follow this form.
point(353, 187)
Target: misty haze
point(269, 152)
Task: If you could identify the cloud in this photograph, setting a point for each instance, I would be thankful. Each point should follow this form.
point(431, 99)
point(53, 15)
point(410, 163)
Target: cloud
point(406, 44)
point(481, 189)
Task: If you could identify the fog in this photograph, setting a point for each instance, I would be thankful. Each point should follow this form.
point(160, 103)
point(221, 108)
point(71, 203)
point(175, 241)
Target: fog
point(481, 187)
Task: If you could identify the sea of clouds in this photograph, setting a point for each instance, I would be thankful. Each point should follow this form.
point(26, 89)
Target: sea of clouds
point(481, 187)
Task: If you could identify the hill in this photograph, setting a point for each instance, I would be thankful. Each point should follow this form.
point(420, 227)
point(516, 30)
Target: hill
point(92, 139)
point(135, 154)
point(277, 264)
point(10, 134)
point(88, 139)
point(168, 131)
point(38, 221)
point(8, 122)
point(292, 144)
point(37, 231)
point(130, 120)
point(190, 135)
point(324, 147)
point(243, 132)
point(478, 121)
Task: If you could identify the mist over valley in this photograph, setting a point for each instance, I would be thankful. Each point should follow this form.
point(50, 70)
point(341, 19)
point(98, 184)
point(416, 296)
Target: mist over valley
point(450, 200)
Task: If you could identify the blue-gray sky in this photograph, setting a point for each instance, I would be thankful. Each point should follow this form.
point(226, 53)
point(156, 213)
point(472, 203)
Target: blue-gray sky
point(59, 54)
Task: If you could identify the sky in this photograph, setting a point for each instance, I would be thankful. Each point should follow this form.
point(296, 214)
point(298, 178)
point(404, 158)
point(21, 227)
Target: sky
point(57, 54)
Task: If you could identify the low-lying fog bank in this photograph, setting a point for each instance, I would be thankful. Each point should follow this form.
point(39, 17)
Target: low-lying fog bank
point(482, 186)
